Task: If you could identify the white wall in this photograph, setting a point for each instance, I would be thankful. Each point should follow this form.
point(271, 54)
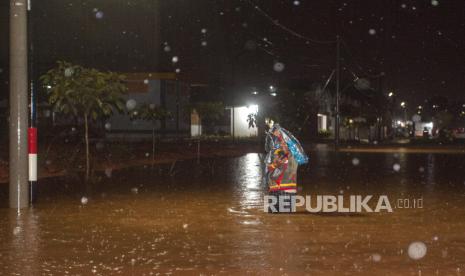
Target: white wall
point(239, 124)
point(196, 130)
point(322, 122)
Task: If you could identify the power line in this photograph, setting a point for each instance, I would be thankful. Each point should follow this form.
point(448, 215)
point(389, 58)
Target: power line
point(292, 32)
point(358, 65)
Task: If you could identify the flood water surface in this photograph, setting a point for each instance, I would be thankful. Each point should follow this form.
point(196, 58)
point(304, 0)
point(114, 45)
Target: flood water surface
point(208, 219)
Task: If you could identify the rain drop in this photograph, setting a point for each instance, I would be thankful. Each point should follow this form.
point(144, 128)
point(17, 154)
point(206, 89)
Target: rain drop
point(131, 104)
point(278, 66)
point(99, 15)
point(69, 72)
point(84, 200)
point(376, 257)
point(417, 250)
point(16, 230)
point(108, 172)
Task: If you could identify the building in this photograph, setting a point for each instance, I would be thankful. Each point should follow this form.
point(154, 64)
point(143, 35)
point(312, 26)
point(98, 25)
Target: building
point(158, 89)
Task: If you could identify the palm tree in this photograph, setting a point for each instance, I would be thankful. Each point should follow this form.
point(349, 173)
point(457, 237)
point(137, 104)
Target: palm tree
point(153, 114)
point(84, 93)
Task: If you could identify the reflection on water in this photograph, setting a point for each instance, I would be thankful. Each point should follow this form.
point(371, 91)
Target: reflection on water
point(23, 241)
point(211, 221)
point(250, 177)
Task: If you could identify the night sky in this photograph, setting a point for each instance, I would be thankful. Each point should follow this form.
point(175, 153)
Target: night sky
point(413, 47)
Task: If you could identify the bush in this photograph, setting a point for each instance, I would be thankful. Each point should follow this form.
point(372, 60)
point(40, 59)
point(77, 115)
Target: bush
point(324, 133)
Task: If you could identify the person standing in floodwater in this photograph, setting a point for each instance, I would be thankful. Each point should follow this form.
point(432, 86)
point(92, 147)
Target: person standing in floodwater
point(284, 155)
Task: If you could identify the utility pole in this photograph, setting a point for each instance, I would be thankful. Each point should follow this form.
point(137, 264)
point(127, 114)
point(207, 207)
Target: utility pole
point(32, 131)
point(18, 194)
point(338, 69)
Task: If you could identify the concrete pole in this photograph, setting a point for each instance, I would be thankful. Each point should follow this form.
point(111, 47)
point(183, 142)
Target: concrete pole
point(18, 105)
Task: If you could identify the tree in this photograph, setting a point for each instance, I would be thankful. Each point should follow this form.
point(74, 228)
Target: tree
point(153, 114)
point(84, 93)
point(208, 112)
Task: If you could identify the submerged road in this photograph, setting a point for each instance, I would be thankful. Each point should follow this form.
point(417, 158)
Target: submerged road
point(209, 219)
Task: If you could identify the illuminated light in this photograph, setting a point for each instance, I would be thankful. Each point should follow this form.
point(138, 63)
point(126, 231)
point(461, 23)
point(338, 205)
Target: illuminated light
point(252, 108)
point(254, 92)
point(273, 94)
point(402, 104)
point(351, 121)
point(420, 107)
point(240, 121)
point(391, 94)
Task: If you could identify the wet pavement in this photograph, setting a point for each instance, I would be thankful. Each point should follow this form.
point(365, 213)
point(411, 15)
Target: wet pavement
point(209, 219)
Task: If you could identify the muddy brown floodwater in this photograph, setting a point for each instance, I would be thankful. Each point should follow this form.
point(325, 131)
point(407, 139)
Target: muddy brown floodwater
point(209, 219)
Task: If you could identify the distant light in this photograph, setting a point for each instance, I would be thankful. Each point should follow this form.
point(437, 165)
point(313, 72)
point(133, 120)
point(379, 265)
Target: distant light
point(391, 94)
point(49, 86)
point(252, 108)
point(351, 121)
point(420, 107)
point(402, 104)
point(271, 87)
point(254, 92)
point(273, 94)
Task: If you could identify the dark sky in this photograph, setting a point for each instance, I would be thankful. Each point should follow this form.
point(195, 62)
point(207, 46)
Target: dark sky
point(413, 47)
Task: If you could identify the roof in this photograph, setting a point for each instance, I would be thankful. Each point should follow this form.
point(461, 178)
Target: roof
point(150, 76)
